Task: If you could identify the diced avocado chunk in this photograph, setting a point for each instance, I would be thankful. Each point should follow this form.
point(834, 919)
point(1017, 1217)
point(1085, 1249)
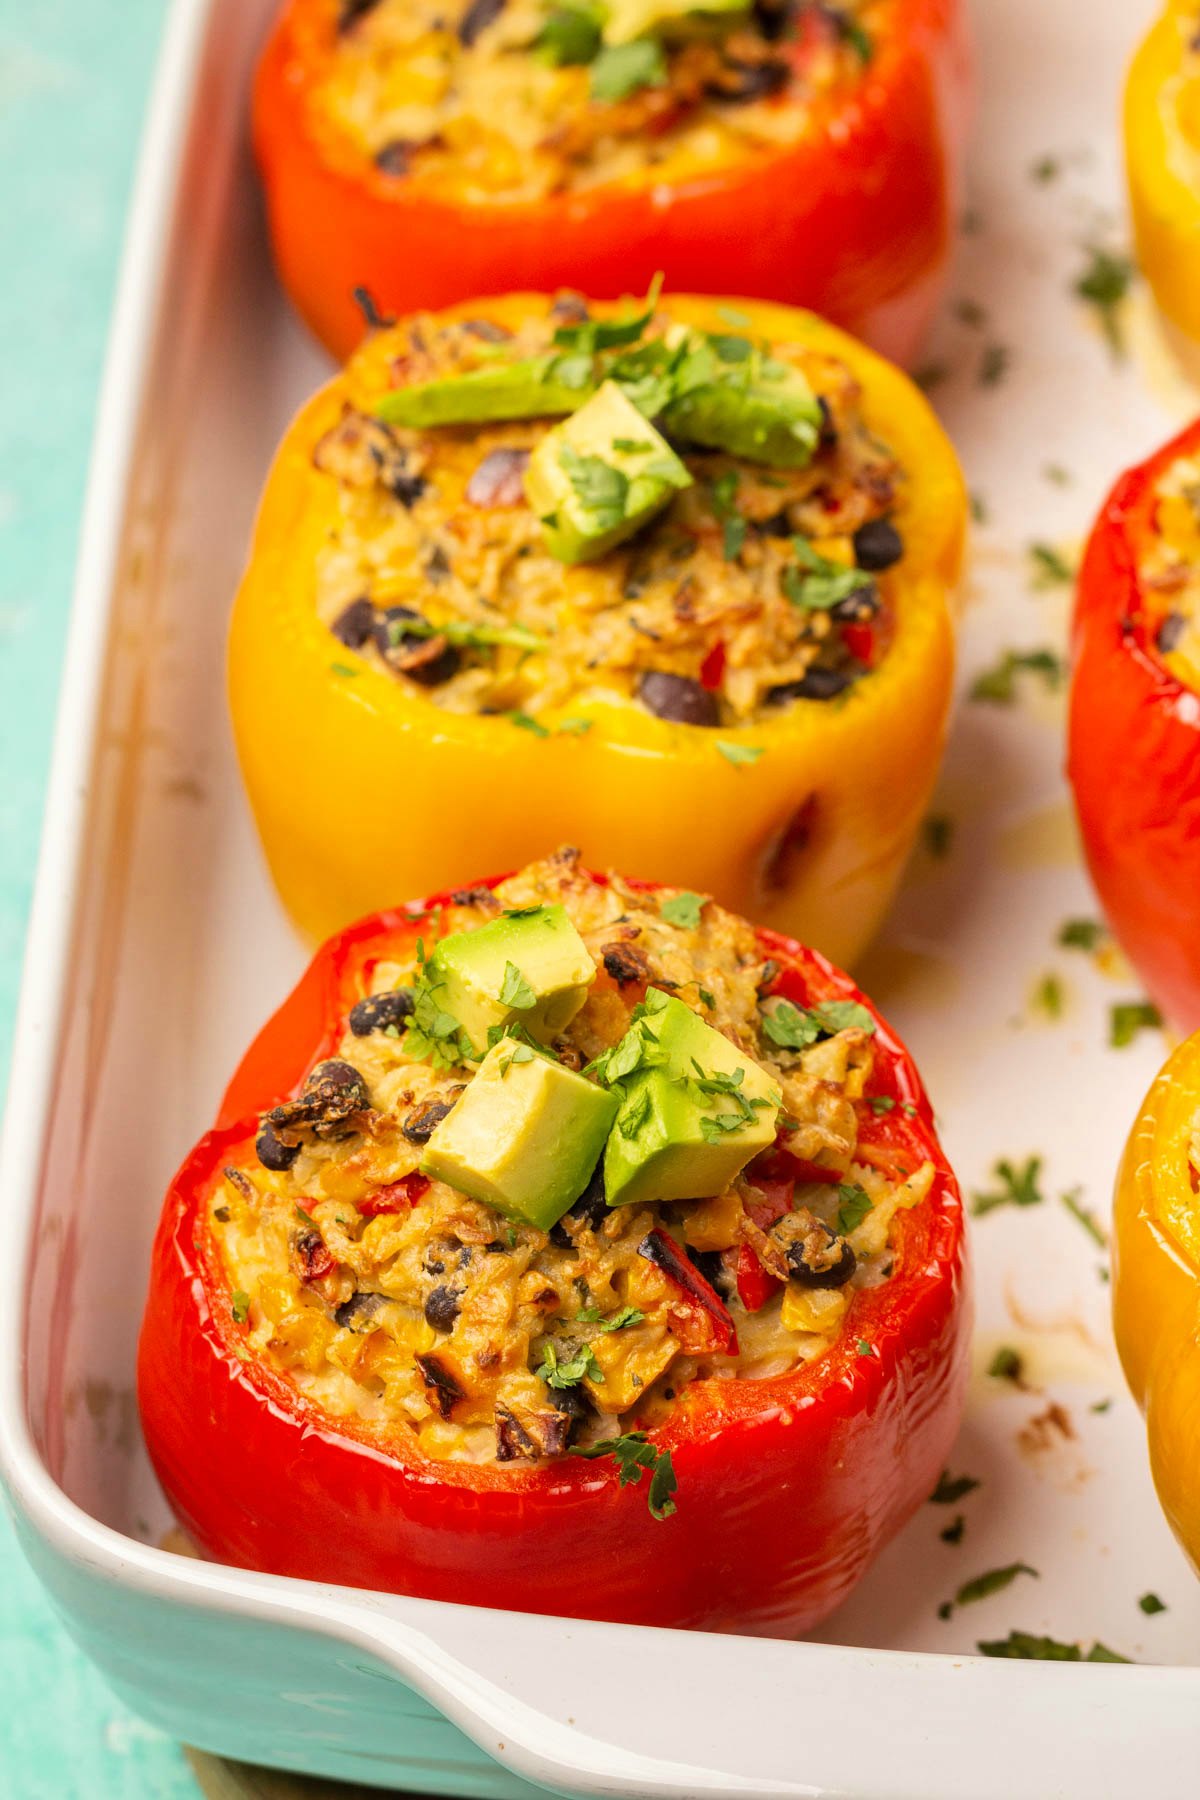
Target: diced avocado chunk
point(535, 387)
point(530, 967)
point(759, 409)
point(628, 19)
point(600, 476)
point(525, 1136)
point(694, 1108)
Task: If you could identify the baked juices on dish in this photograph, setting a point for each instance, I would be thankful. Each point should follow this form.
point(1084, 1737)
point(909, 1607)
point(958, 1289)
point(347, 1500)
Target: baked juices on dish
point(564, 1244)
point(800, 150)
point(668, 579)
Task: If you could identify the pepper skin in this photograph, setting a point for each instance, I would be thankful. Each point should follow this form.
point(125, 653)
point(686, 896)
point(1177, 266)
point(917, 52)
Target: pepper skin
point(362, 790)
point(1162, 157)
point(788, 1487)
point(855, 220)
point(1156, 1287)
point(1134, 752)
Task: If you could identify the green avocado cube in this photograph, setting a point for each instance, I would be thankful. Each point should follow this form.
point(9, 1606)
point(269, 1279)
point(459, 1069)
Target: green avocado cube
point(753, 407)
point(694, 1108)
point(535, 387)
point(529, 967)
point(629, 19)
point(525, 1136)
point(600, 476)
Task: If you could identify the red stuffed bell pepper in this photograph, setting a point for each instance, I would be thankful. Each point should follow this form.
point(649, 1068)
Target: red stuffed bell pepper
point(581, 1394)
point(797, 151)
point(1134, 753)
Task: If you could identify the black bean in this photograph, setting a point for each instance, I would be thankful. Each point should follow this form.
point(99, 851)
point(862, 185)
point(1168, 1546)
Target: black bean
point(772, 17)
point(500, 479)
point(626, 963)
point(1170, 632)
point(478, 16)
point(471, 896)
point(359, 1310)
point(779, 525)
point(570, 309)
point(817, 684)
point(678, 698)
point(441, 1308)
point(378, 1011)
point(487, 331)
point(273, 1153)
point(401, 643)
point(357, 625)
point(814, 1269)
point(739, 82)
point(395, 158)
point(406, 488)
point(711, 1265)
point(859, 607)
point(419, 1125)
point(338, 1084)
point(877, 545)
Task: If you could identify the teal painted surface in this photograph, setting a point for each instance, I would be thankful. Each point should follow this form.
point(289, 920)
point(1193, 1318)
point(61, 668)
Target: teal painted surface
point(73, 80)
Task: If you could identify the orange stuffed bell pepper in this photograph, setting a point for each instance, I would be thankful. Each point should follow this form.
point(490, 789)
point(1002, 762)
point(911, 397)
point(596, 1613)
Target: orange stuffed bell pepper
point(668, 581)
point(419, 154)
point(1156, 1284)
point(1162, 157)
point(434, 1317)
point(1134, 733)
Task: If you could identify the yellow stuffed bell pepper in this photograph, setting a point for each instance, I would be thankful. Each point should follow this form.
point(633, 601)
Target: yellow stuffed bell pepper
point(1162, 150)
point(669, 582)
point(1156, 1284)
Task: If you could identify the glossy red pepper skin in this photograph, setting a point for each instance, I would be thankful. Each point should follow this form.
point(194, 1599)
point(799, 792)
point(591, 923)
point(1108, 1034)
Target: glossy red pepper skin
point(855, 220)
point(1134, 752)
point(787, 1487)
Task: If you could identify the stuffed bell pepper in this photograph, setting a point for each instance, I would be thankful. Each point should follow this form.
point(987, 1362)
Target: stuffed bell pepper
point(1162, 154)
point(667, 580)
point(564, 1244)
point(421, 152)
point(1156, 1284)
point(1134, 748)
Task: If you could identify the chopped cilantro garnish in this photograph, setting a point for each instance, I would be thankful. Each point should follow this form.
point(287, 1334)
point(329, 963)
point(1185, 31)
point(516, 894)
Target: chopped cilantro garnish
point(1045, 169)
point(1081, 934)
point(526, 722)
point(1100, 1406)
point(628, 1315)
point(621, 69)
point(815, 583)
point(1006, 1365)
point(471, 637)
point(581, 1366)
point(938, 833)
point(856, 1203)
point(1151, 1604)
point(992, 1581)
point(979, 508)
point(993, 365)
point(601, 489)
point(999, 683)
point(708, 999)
point(855, 33)
point(740, 755)
point(864, 1348)
point(434, 1035)
point(1104, 285)
point(1030, 1647)
point(633, 1455)
point(1084, 1217)
point(795, 1028)
point(633, 1115)
point(574, 727)
point(1050, 567)
point(952, 1488)
point(683, 910)
point(724, 504)
point(1017, 1187)
point(239, 1302)
point(571, 35)
point(880, 1103)
point(341, 668)
point(515, 990)
point(1048, 996)
point(953, 1534)
point(1127, 1018)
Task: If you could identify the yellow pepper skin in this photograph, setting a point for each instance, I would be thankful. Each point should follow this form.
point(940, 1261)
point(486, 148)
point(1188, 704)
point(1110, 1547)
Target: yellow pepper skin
point(365, 794)
point(1156, 1287)
point(1162, 153)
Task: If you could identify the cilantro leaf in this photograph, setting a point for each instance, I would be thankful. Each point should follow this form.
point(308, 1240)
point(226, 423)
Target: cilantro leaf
point(621, 69)
point(1081, 934)
point(601, 489)
point(795, 1028)
point(817, 584)
point(1127, 1018)
point(526, 722)
point(570, 35)
point(1084, 1216)
point(741, 755)
point(1028, 1646)
point(992, 1581)
point(515, 990)
point(1018, 1187)
point(1050, 567)
point(1151, 1604)
point(581, 1366)
point(1104, 284)
point(239, 1302)
point(1006, 1365)
point(856, 1203)
point(998, 685)
point(633, 1454)
point(951, 1488)
point(683, 910)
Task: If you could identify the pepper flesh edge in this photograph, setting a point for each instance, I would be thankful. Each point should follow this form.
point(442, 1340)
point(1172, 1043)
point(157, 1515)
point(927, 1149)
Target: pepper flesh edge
point(856, 220)
point(811, 839)
point(815, 1469)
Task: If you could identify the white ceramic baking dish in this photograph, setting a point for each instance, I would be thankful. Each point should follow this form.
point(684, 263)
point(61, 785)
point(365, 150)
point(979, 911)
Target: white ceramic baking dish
point(156, 947)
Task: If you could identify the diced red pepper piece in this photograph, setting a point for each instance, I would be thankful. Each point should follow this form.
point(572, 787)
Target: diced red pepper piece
point(860, 642)
point(713, 668)
point(755, 1285)
point(702, 1321)
point(395, 1197)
